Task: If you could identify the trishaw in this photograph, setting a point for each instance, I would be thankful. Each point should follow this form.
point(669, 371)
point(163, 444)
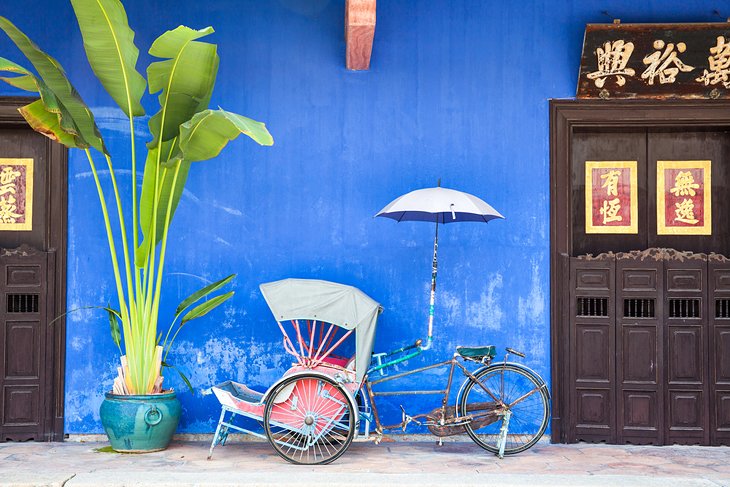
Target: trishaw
point(327, 397)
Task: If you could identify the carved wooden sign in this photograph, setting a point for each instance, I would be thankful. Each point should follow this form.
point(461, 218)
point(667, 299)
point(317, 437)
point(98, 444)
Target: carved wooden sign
point(684, 198)
point(611, 197)
point(655, 61)
point(16, 194)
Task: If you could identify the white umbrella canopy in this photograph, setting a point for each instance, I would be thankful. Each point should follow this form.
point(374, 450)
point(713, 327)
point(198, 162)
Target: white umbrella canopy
point(439, 205)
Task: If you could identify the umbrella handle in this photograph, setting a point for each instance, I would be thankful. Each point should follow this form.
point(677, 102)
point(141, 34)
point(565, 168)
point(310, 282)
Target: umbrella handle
point(434, 271)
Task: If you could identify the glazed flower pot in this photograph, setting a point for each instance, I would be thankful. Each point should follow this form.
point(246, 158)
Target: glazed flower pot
point(140, 424)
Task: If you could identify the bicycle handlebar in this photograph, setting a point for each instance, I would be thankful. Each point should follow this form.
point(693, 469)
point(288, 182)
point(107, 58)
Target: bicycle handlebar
point(515, 352)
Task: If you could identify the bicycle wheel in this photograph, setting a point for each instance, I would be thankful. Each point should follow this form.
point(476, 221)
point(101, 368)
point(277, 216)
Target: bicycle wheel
point(521, 393)
point(312, 422)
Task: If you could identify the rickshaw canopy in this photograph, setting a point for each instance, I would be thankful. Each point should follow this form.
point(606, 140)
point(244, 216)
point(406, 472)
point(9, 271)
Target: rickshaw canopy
point(330, 302)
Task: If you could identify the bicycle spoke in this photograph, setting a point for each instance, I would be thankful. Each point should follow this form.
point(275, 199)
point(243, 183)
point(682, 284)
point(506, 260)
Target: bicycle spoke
point(319, 428)
point(521, 394)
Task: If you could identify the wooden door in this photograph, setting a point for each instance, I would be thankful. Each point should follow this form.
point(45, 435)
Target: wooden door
point(644, 369)
point(719, 350)
point(32, 280)
point(24, 332)
point(639, 350)
point(593, 350)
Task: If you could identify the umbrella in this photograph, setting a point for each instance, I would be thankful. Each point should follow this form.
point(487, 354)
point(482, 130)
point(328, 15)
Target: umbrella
point(439, 205)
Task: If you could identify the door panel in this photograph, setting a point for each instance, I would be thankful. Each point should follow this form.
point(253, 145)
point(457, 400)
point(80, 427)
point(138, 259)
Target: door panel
point(682, 145)
point(32, 289)
point(24, 143)
point(592, 339)
point(643, 370)
point(719, 350)
point(619, 145)
point(639, 346)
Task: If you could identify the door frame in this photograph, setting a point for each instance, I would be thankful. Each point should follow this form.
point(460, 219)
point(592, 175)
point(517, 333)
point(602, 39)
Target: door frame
point(565, 117)
point(56, 193)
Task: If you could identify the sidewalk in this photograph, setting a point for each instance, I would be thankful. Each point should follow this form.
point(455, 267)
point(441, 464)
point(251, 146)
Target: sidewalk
point(421, 464)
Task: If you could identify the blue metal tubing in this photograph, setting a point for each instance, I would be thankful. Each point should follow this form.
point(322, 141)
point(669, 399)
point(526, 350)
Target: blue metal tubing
point(395, 361)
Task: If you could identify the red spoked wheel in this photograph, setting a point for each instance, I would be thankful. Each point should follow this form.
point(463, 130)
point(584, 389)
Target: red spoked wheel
point(309, 420)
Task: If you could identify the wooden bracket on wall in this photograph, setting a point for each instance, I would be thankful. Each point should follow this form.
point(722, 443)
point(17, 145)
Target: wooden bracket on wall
point(359, 33)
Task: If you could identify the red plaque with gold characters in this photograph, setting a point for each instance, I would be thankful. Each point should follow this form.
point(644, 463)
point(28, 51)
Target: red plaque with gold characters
point(684, 198)
point(16, 194)
point(611, 199)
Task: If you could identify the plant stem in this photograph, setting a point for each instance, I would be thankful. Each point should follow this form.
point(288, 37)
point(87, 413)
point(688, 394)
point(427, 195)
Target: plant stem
point(135, 221)
point(115, 264)
point(125, 246)
point(163, 247)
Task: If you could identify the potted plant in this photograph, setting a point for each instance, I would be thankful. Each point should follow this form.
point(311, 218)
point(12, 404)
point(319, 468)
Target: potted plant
point(138, 415)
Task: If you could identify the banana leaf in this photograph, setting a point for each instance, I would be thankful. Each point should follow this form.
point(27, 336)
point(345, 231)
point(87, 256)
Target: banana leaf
point(110, 49)
point(46, 116)
point(146, 204)
point(185, 79)
point(185, 82)
point(208, 132)
point(54, 77)
point(45, 122)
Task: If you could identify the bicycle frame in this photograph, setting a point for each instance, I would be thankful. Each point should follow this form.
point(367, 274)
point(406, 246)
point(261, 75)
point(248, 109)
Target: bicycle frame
point(444, 419)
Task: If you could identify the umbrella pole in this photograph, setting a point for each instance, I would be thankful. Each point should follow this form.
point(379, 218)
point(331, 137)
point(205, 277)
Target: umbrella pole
point(434, 271)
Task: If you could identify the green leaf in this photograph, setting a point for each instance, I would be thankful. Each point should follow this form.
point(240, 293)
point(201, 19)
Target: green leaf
point(204, 308)
point(25, 80)
point(114, 317)
point(201, 293)
point(46, 116)
point(185, 79)
point(52, 74)
point(208, 132)
point(110, 49)
point(45, 122)
point(182, 376)
point(146, 205)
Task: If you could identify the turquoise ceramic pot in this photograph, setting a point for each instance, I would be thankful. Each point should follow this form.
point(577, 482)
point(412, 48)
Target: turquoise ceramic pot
point(140, 424)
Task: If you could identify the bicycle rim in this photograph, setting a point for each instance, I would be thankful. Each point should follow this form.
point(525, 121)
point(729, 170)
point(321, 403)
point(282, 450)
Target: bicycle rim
point(529, 416)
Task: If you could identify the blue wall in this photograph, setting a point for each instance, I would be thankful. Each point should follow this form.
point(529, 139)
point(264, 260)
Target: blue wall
point(457, 90)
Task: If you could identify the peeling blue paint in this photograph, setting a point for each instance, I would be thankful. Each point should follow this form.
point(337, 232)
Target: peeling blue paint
point(457, 90)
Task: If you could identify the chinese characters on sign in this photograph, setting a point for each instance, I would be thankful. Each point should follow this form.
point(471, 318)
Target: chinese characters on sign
point(684, 198)
point(655, 60)
point(16, 194)
point(611, 198)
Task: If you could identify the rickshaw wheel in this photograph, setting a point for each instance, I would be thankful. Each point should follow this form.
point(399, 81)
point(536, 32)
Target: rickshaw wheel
point(314, 425)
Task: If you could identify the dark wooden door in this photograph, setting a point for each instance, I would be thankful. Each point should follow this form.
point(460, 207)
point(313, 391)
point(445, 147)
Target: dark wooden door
point(677, 359)
point(639, 350)
point(649, 347)
point(719, 350)
point(25, 297)
point(593, 350)
point(32, 281)
point(686, 307)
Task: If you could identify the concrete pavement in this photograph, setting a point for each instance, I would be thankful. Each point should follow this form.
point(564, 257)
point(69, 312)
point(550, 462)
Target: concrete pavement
point(421, 464)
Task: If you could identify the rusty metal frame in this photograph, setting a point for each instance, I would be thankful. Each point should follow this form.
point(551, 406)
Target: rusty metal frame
point(443, 419)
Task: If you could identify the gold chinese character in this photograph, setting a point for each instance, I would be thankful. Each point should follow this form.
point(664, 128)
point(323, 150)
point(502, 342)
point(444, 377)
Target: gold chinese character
point(611, 182)
point(684, 184)
point(610, 210)
point(8, 175)
point(659, 63)
point(612, 60)
point(7, 210)
point(7, 188)
point(685, 211)
point(719, 71)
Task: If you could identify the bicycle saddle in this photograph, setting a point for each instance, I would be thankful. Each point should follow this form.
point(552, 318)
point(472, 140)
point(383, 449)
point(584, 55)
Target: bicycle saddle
point(477, 353)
